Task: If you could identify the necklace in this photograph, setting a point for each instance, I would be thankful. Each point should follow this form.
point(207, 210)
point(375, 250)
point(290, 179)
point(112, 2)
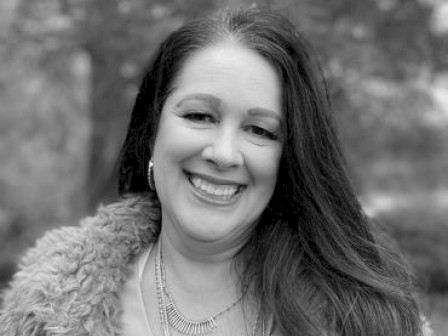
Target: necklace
point(170, 314)
point(162, 303)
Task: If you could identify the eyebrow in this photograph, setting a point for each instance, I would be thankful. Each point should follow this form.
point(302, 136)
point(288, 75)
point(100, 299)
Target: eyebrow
point(215, 102)
point(263, 112)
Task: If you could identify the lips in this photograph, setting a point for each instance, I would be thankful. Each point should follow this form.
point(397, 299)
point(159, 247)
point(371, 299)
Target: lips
point(224, 192)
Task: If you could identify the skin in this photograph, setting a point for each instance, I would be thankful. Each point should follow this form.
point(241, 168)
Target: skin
point(221, 123)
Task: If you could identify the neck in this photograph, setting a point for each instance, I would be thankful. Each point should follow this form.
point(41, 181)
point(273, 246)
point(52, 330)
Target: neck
point(203, 286)
point(199, 269)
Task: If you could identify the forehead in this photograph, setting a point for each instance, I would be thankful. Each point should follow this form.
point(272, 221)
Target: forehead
point(232, 72)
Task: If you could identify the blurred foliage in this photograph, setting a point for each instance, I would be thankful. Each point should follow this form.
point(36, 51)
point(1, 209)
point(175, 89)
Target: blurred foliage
point(423, 236)
point(69, 71)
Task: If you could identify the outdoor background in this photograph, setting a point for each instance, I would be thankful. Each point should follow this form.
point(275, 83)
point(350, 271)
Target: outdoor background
point(69, 71)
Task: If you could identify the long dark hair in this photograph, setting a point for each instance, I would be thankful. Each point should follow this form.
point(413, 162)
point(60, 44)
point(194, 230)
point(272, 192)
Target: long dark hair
point(314, 261)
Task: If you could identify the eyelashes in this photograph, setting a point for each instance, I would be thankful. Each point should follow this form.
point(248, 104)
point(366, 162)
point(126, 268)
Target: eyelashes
point(203, 119)
point(199, 117)
point(262, 132)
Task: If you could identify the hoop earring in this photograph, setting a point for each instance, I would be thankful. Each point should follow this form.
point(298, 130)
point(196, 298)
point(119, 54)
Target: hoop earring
point(151, 183)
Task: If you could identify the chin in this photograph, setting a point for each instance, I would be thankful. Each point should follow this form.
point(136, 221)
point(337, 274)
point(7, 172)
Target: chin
point(205, 233)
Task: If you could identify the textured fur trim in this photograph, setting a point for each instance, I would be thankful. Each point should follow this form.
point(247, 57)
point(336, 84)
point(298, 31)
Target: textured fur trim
point(69, 284)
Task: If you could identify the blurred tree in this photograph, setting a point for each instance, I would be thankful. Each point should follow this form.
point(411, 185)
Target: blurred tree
point(358, 42)
point(116, 37)
point(69, 71)
point(380, 57)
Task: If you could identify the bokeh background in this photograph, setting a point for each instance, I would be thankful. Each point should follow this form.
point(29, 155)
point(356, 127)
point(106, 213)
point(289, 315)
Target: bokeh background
point(69, 72)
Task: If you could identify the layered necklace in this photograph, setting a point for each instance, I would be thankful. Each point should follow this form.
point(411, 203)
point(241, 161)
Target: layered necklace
point(170, 315)
point(172, 319)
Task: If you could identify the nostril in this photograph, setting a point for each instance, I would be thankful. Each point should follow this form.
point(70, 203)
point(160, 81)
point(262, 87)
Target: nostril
point(222, 157)
point(223, 149)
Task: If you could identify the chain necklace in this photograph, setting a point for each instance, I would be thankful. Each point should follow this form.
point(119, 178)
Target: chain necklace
point(163, 295)
point(170, 314)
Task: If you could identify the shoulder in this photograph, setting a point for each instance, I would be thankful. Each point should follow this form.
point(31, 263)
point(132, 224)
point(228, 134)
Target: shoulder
point(73, 274)
point(117, 230)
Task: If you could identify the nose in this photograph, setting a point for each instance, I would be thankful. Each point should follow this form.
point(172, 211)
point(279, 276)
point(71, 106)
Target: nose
point(223, 150)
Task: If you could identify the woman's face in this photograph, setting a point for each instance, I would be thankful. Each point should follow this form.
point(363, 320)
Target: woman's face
point(218, 146)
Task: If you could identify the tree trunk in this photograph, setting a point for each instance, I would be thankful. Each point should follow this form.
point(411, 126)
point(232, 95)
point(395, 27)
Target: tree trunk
point(109, 112)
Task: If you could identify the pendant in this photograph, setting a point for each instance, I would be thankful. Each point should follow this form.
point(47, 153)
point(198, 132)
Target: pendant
point(186, 326)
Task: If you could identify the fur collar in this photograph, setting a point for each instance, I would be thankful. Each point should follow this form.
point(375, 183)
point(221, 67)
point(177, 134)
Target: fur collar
point(69, 284)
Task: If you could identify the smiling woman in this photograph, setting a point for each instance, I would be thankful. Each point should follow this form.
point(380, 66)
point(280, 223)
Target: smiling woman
point(216, 157)
point(237, 215)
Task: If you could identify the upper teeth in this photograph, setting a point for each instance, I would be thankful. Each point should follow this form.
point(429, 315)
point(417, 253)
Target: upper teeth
point(214, 189)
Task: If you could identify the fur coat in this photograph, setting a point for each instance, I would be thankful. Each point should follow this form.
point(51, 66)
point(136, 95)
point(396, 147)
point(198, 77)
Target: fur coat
point(69, 284)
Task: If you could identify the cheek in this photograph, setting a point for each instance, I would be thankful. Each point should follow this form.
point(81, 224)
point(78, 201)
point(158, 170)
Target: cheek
point(166, 147)
point(264, 166)
point(174, 142)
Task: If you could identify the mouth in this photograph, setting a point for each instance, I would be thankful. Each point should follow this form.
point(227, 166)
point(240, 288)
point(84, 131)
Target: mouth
point(217, 192)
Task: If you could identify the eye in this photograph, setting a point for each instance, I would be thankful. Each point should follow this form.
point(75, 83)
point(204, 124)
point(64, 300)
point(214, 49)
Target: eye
point(262, 132)
point(199, 117)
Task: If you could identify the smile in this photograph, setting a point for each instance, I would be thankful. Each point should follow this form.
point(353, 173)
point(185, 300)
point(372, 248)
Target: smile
point(226, 193)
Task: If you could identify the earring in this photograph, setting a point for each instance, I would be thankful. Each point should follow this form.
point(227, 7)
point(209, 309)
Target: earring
point(151, 183)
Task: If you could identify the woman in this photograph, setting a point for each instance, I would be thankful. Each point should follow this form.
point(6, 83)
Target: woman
point(237, 216)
